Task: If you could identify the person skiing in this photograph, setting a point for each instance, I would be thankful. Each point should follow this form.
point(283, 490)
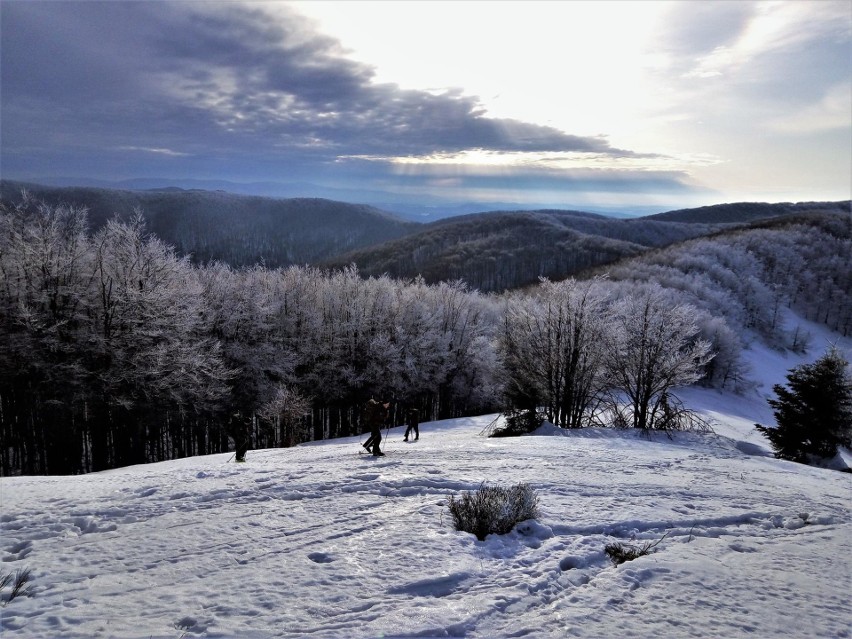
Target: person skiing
point(375, 414)
point(413, 424)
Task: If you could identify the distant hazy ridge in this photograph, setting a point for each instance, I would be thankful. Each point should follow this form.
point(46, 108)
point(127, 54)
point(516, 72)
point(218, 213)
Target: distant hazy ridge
point(492, 251)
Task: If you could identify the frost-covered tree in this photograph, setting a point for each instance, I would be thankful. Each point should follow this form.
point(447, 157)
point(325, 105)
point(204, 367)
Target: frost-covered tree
point(242, 311)
point(103, 348)
point(726, 369)
point(654, 347)
point(466, 326)
point(814, 411)
point(286, 411)
point(552, 351)
point(150, 346)
point(45, 265)
point(419, 334)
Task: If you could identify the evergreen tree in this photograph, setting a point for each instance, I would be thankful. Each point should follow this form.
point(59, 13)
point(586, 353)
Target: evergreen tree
point(814, 411)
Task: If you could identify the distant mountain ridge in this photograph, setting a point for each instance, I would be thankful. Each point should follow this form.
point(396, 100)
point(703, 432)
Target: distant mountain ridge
point(241, 230)
point(419, 208)
point(492, 251)
point(741, 212)
point(501, 250)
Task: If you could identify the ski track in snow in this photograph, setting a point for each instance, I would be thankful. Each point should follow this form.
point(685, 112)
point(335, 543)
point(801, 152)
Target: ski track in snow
point(319, 541)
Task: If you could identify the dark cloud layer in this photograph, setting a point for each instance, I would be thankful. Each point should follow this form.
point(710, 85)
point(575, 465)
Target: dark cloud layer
point(198, 88)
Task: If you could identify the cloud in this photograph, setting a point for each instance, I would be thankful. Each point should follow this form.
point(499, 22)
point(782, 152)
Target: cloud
point(518, 182)
point(713, 39)
point(254, 92)
point(832, 112)
point(224, 80)
point(772, 29)
point(690, 30)
point(157, 151)
point(753, 84)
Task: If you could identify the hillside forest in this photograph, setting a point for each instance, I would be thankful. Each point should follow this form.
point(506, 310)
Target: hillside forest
point(117, 349)
point(494, 251)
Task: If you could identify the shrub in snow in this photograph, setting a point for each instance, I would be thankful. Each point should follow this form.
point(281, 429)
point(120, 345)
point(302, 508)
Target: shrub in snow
point(518, 422)
point(814, 411)
point(670, 415)
point(618, 552)
point(673, 416)
point(18, 581)
point(493, 509)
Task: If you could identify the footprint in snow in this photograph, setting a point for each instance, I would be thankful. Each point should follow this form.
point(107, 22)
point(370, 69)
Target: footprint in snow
point(190, 624)
point(19, 551)
point(320, 558)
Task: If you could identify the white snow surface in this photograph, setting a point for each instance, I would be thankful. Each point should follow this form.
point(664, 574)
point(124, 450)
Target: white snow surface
point(323, 541)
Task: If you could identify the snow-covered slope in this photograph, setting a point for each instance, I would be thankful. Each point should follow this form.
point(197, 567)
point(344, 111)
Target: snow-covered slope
point(321, 541)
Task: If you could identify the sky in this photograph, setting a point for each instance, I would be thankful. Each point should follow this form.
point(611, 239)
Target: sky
point(612, 104)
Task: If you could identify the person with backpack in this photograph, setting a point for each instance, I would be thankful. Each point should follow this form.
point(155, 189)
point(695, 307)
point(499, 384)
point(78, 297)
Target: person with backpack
point(375, 414)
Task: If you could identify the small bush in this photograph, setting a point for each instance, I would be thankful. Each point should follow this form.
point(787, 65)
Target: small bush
point(667, 414)
point(518, 422)
point(673, 416)
point(618, 553)
point(493, 509)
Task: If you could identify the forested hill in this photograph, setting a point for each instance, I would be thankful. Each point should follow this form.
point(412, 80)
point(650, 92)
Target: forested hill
point(240, 230)
point(740, 212)
point(116, 351)
point(492, 251)
point(502, 250)
point(749, 273)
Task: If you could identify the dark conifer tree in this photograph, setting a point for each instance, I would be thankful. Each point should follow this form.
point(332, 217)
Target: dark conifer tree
point(814, 411)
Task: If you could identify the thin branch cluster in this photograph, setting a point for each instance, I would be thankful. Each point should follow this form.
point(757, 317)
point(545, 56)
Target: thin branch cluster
point(19, 582)
point(620, 553)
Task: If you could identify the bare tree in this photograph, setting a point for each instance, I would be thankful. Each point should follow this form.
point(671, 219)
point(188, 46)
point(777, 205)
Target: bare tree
point(551, 346)
point(653, 348)
point(286, 410)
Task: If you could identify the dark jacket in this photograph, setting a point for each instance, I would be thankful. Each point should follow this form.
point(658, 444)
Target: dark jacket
point(375, 414)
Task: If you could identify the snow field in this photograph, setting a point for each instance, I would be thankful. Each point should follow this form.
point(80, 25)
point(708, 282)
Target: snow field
point(321, 541)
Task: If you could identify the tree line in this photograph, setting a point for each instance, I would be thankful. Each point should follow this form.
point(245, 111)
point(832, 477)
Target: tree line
point(114, 350)
point(117, 351)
